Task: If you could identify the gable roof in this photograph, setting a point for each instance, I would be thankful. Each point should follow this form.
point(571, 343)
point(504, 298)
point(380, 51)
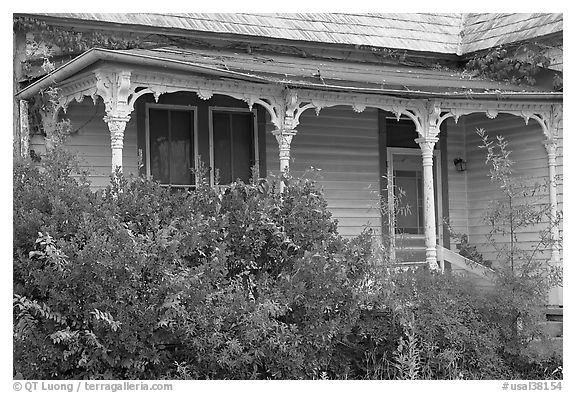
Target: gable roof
point(439, 33)
point(482, 31)
point(419, 32)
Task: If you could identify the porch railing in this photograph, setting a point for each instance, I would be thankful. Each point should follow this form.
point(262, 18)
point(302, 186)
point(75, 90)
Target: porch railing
point(446, 255)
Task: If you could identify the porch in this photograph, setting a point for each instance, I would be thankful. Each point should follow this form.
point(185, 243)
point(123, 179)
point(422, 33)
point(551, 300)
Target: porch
point(363, 139)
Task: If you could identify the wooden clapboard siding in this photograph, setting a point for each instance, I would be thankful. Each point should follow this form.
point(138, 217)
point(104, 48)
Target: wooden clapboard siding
point(529, 155)
point(344, 146)
point(456, 181)
point(90, 139)
point(37, 144)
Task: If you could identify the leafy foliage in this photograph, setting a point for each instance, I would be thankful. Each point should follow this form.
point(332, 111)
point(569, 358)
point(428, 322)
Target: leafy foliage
point(68, 41)
point(522, 205)
point(141, 282)
point(516, 63)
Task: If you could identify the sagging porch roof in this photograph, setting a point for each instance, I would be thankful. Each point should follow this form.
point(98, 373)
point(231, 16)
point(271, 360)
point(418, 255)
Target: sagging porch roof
point(400, 81)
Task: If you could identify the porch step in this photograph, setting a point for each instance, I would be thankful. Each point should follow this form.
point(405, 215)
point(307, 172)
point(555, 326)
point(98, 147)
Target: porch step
point(411, 263)
point(409, 241)
point(409, 254)
point(554, 328)
point(405, 266)
point(544, 349)
point(555, 314)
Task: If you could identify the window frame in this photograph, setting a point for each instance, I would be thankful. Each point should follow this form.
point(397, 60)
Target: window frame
point(187, 108)
point(229, 109)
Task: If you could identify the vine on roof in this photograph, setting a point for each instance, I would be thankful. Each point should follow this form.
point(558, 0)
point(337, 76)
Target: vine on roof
point(67, 41)
point(44, 43)
point(517, 63)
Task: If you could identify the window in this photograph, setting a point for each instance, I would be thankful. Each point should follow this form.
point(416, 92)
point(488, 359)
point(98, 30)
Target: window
point(233, 144)
point(171, 139)
point(411, 183)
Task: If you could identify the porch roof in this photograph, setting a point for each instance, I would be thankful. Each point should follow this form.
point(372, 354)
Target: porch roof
point(401, 81)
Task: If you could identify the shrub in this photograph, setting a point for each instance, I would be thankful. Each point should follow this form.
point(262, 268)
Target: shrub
point(141, 282)
point(132, 280)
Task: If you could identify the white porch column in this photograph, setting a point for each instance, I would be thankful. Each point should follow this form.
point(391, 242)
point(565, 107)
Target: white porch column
point(24, 129)
point(555, 293)
point(286, 119)
point(284, 139)
point(551, 146)
point(116, 125)
point(118, 95)
point(427, 147)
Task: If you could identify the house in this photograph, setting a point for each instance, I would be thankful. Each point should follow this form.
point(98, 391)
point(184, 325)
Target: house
point(378, 102)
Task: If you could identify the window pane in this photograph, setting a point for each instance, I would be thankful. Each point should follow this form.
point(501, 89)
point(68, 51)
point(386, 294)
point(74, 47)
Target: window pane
point(181, 146)
point(171, 145)
point(222, 146)
point(243, 145)
point(408, 183)
point(159, 145)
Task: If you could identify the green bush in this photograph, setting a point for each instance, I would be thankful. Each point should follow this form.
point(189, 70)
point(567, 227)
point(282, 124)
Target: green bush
point(141, 282)
point(137, 281)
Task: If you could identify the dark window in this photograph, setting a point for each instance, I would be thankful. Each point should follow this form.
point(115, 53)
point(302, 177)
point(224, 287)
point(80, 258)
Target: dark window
point(171, 145)
point(233, 139)
point(412, 220)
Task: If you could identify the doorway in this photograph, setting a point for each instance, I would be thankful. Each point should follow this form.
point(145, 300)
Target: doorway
point(406, 203)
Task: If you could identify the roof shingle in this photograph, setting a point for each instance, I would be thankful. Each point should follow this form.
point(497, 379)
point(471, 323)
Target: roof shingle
point(438, 33)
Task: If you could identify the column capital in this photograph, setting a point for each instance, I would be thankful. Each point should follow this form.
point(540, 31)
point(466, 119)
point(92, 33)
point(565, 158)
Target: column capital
point(551, 145)
point(112, 119)
point(427, 144)
point(116, 91)
point(284, 139)
point(116, 126)
point(427, 139)
point(284, 135)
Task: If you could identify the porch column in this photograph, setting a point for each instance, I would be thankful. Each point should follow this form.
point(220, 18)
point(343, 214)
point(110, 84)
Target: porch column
point(116, 125)
point(24, 129)
point(284, 139)
point(555, 293)
point(551, 146)
point(118, 95)
point(427, 147)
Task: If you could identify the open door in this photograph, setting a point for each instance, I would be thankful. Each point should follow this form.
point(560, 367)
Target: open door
point(406, 204)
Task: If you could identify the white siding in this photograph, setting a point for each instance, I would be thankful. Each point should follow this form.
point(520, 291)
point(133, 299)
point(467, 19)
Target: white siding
point(531, 163)
point(457, 181)
point(90, 139)
point(344, 145)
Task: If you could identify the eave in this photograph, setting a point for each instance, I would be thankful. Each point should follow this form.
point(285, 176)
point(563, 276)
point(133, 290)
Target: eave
point(243, 70)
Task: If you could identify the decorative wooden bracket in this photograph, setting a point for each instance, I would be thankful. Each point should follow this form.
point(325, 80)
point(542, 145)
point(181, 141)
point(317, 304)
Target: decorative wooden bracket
point(286, 117)
point(115, 89)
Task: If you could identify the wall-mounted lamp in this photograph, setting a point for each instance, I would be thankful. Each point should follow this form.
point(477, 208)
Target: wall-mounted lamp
point(460, 164)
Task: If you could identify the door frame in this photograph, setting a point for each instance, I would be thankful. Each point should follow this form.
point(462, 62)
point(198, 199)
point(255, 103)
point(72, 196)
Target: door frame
point(437, 169)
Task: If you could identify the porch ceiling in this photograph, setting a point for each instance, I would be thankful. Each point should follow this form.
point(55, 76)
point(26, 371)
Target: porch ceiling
point(409, 82)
